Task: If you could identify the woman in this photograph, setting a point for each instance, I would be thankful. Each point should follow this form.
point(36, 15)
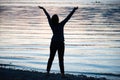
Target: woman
point(57, 41)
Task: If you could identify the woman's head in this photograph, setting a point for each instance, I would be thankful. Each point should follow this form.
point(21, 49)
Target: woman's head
point(55, 19)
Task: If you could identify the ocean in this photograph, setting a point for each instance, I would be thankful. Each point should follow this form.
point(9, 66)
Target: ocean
point(92, 37)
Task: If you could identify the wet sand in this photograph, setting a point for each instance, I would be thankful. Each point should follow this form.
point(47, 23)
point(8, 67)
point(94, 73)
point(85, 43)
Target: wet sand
point(11, 74)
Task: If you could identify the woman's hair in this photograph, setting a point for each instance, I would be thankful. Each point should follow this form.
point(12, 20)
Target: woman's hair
point(55, 19)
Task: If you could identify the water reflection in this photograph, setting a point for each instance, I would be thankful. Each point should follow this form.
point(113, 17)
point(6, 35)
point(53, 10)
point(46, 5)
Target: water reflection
point(91, 36)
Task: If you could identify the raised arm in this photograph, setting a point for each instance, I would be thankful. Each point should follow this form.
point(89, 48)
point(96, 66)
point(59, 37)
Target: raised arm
point(70, 15)
point(46, 13)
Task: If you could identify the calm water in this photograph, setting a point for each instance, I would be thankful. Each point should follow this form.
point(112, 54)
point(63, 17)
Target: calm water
point(92, 38)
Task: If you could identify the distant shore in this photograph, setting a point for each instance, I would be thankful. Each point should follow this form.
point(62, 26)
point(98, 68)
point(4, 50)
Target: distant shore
point(11, 74)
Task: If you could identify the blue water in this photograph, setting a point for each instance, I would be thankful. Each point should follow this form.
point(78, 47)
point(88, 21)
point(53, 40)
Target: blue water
point(92, 38)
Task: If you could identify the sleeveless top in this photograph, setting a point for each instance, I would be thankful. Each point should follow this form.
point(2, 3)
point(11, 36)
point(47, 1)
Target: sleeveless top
point(58, 32)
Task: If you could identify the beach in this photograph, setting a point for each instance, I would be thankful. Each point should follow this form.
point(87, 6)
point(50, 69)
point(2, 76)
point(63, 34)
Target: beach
point(12, 74)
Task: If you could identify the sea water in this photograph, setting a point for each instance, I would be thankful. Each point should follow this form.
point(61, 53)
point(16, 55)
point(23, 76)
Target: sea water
point(92, 37)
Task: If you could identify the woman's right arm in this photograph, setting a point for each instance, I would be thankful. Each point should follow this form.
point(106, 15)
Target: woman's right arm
point(46, 13)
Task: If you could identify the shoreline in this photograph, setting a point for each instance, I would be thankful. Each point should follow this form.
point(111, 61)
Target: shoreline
point(16, 74)
point(8, 69)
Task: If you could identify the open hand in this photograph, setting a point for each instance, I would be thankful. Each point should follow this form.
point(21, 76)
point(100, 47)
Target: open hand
point(40, 7)
point(75, 8)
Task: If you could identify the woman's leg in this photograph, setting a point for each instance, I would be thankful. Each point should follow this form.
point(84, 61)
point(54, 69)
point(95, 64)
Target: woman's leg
point(61, 57)
point(51, 57)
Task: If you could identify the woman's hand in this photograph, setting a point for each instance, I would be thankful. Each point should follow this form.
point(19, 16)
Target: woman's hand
point(40, 7)
point(75, 8)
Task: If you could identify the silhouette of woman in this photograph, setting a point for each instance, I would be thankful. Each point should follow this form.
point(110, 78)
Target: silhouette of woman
point(57, 41)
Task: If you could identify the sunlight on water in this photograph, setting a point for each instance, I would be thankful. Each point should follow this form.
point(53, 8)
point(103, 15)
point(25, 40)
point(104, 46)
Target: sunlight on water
point(92, 38)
